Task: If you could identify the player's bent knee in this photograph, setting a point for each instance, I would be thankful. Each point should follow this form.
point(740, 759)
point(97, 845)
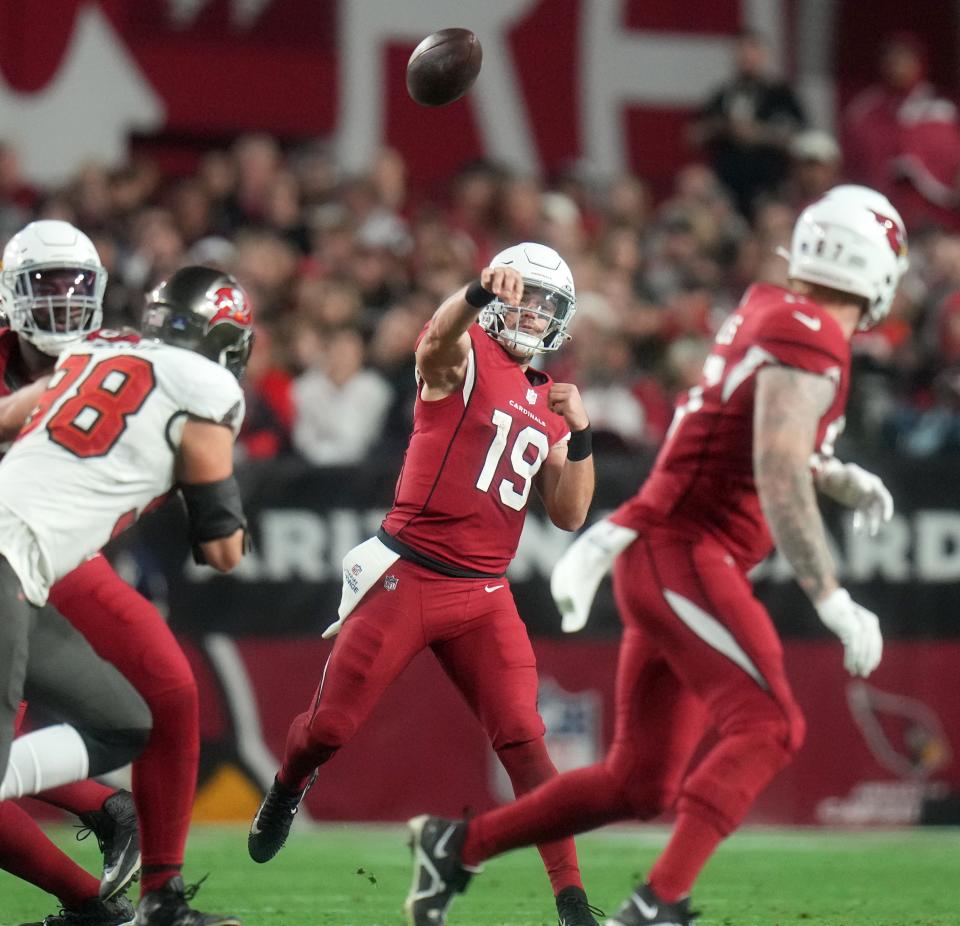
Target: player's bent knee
point(767, 720)
point(177, 705)
point(784, 731)
point(517, 731)
point(647, 796)
point(111, 749)
point(648, 787)
point(331, 729)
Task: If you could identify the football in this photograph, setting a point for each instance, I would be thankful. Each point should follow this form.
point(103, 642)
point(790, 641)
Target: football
point(443, 67)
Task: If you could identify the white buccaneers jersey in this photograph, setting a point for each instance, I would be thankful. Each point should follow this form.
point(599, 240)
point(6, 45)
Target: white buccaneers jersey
point(99, 450)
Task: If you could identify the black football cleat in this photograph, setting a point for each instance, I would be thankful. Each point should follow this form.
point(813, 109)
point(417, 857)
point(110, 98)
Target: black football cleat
point(438, 871)
point(168, 907)
point(93, 912)
point(274, 817)
point(573, 909)
point(644, 908)
point(116, 832)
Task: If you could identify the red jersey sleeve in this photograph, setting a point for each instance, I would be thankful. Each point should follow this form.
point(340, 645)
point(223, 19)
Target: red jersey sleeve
point(801, 334)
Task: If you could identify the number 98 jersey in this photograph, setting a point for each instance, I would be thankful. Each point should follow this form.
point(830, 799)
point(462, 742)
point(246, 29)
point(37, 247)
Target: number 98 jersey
point(99, 448)
point(462, 494)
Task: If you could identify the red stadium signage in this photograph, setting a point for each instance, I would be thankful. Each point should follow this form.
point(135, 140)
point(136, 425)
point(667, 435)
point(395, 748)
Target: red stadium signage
point(608, 82)
point(881, 752)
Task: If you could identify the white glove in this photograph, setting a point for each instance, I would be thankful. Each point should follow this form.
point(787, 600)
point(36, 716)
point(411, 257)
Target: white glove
point(857, 628)
point(577, 574)
point(854, 487)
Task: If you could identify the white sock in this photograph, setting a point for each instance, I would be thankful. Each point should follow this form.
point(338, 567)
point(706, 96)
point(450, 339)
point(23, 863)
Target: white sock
point(44, 759)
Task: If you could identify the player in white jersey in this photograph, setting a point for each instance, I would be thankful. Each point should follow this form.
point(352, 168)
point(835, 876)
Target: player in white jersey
point(121, 407)
point(123, 422)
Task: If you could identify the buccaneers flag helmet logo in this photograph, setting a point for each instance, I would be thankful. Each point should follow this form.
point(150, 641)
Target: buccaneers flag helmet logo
point(231, 306)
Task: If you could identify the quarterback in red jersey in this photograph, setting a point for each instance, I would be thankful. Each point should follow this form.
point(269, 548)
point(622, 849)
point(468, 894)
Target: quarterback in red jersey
point(736, 474)
point(53, 288)
point(487, 427)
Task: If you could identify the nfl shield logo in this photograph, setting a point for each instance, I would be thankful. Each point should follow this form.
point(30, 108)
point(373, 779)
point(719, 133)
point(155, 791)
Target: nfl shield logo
point(356, 569)
point(390, 583)
point(574, 722)
point(532, 396)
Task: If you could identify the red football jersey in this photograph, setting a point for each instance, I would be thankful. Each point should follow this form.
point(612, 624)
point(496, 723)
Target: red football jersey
point(462, 493)
point(702, 481)
point(13, 371)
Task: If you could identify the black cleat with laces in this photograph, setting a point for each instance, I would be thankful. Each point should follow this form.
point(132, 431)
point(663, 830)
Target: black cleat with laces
point(644, 908)
point(168, 907)
point(573, 909)
point(115, 828)
point(438, 871)
point(93, 912)
point(274, 817)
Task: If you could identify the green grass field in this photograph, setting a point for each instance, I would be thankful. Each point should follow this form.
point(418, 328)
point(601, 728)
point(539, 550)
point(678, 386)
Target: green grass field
point(359, 875)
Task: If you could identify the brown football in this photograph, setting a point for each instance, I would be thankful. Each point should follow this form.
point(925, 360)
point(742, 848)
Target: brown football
point(443, 66)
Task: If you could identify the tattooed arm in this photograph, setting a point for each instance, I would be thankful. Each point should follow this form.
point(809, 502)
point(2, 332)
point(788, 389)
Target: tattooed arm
point(788, 406)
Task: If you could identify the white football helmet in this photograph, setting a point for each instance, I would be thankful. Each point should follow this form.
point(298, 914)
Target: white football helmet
point(52, 285)
point(875, 200)
point(548, 293)
point(852, 240)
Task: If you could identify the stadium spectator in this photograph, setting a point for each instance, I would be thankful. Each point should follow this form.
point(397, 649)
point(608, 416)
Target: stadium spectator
point(900, 137)
point(339, 403)
point(815, 162)
point(747, 124)
point(267, 390)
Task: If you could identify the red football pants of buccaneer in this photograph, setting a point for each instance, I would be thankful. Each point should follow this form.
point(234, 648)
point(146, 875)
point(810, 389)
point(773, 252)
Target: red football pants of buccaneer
point(473, 628)
point(126, 630)
point(698, 651)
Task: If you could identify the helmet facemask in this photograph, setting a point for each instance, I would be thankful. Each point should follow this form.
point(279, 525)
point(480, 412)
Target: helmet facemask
point(537, 326)
point(55, 306)
point(235, 356)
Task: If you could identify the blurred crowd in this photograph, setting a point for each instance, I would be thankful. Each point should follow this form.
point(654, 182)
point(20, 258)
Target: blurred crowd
point(345, 268)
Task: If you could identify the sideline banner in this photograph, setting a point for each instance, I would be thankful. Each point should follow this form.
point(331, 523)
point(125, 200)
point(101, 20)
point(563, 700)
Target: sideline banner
point(881, 751)
point(607, 84)
point(305, 519)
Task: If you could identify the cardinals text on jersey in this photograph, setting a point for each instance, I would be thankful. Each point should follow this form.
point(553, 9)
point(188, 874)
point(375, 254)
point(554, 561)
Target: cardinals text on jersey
point(462, 493)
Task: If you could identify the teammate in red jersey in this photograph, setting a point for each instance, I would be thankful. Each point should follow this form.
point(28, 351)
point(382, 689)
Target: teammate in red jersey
point(58, 308)
point(487, 427)
point(699, 652)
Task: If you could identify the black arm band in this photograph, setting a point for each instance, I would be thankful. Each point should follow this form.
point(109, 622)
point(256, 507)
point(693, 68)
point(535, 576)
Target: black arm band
point(214, 510)
point(477, 296)
point(580, 445)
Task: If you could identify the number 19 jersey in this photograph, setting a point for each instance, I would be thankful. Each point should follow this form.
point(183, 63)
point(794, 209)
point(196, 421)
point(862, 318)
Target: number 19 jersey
point(462, 494)
point(99, 448)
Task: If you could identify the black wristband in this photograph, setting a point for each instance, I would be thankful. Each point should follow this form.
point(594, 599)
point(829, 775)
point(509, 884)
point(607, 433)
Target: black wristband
point(580, 445)
point(477, 296)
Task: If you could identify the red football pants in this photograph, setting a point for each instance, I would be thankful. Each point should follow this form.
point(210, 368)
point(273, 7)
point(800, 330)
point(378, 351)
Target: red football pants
point(473, 628)
point(126, 630)
point(698, 651)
